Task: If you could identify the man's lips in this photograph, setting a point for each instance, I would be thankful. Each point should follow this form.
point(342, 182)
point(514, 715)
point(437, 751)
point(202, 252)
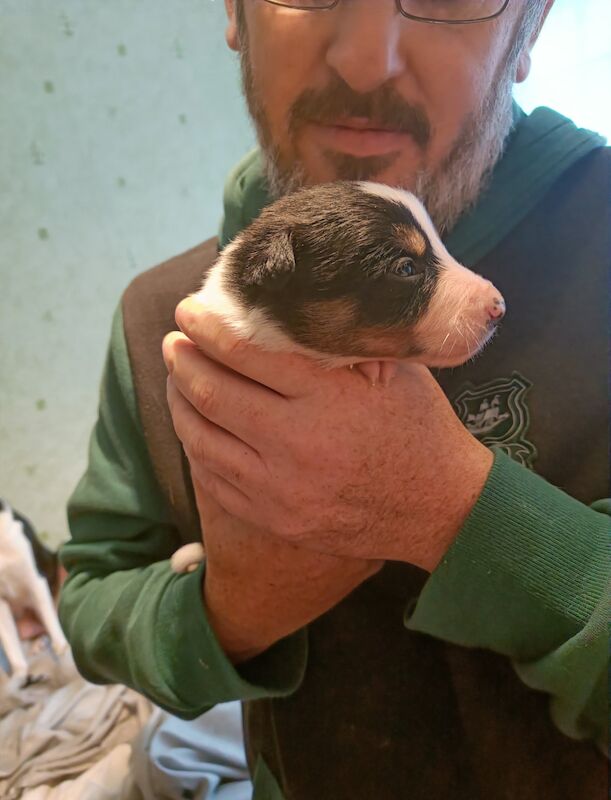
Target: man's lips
point(359, 138)
point(359, 123)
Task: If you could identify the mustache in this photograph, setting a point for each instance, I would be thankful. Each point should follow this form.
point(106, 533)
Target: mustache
point(384, 107)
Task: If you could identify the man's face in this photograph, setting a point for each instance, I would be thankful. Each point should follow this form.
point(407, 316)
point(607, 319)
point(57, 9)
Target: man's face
point(444, 91)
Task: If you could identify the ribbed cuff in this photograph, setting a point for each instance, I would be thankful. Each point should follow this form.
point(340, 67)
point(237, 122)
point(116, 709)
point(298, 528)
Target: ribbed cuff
point(205, 676)
point(525, 572)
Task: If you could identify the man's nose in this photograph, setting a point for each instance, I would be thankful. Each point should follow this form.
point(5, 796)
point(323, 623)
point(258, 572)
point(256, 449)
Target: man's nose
point(365, 48)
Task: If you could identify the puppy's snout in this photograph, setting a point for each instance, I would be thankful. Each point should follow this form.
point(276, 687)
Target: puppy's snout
point(491, 301)
point(496, 307)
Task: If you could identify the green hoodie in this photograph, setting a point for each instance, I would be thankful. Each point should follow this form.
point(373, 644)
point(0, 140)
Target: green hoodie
point(121, 603)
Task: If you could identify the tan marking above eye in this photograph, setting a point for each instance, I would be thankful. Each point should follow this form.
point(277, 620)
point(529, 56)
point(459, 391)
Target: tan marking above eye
point(412, 239)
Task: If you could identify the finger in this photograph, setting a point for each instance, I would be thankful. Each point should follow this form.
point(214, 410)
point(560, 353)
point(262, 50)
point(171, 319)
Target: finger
point(208, 446)
point(228, 497)
point(285, 373)
point(238, 405)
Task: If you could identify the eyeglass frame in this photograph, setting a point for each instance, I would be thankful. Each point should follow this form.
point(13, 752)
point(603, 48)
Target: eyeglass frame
point(334, 3)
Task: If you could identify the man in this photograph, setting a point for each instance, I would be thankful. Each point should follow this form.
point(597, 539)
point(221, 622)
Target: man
point(399, 606)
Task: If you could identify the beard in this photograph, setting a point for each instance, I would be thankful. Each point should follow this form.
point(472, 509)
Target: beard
point(454, 186)
point(447, 191)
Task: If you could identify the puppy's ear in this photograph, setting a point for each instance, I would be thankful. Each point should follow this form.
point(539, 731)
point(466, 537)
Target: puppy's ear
point(272, 265)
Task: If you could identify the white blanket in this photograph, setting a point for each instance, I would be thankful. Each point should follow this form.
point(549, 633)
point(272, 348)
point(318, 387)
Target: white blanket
point(64, 728)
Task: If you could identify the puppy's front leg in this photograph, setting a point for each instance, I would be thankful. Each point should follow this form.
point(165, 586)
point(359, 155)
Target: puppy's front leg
point(188, 557)
point(9, 637)
point(45, 609)
point(377, 371)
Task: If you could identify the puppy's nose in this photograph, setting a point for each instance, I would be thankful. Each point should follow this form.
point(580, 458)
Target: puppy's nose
point(496, 308)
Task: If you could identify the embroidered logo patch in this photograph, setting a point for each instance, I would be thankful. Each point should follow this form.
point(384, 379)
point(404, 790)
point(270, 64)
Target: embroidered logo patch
point(497, 414)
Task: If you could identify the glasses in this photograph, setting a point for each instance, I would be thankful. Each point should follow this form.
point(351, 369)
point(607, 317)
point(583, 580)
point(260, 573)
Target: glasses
point(436, 12)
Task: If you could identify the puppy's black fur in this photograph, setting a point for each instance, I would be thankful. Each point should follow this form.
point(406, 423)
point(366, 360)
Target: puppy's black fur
point(335, 254)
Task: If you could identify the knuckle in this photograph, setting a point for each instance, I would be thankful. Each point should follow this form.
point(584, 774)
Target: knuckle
point(230, 346)
point(170, 347)
point(205, 396)
point(196, 448)
point(166, 345)
point(183, 314)
point(289, 526)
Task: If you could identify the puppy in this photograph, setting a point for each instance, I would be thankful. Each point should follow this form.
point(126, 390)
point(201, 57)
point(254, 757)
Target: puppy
point(23, 587)
point(352, 274)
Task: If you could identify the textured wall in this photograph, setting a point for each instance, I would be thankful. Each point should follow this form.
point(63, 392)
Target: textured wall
point(118, 123)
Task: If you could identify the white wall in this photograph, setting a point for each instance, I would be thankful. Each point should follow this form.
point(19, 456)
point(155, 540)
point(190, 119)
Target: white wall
point(118, 123)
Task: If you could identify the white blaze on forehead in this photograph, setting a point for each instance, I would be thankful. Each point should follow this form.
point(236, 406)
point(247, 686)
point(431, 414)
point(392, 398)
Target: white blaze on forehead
point(419, 212)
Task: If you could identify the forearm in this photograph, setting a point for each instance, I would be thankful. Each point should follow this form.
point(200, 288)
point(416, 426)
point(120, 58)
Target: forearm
point(249, 615)
point(458, 487)
point(241, 629)
point(527, 577)
point(124, 628)
point(146, 628)
point(259, 589)
point(241, 625)
point(128, 618)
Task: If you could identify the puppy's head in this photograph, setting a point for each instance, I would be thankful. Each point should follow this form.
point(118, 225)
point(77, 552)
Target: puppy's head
point(12, 524)
point(347, 271)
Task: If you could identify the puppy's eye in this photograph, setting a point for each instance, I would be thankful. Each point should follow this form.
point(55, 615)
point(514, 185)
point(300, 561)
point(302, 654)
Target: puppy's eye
point(404, 267)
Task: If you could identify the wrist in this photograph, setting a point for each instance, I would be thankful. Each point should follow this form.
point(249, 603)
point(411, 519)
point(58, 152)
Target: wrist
point(232, 631)
point(460, 487)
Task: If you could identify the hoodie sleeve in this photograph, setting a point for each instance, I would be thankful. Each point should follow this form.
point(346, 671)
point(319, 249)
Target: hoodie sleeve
point(528, 577)
point(127, 616)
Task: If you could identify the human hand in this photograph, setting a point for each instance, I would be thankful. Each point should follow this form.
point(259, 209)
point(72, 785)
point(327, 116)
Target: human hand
point(319, 457)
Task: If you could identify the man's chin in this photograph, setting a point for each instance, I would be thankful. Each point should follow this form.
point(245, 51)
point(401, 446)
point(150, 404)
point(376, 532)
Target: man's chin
point(313, 164)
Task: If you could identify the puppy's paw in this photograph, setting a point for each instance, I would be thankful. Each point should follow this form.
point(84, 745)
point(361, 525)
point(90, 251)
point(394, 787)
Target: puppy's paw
point(20, 681)
point(188, 557)
point(377, 371)
point(66, 670)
